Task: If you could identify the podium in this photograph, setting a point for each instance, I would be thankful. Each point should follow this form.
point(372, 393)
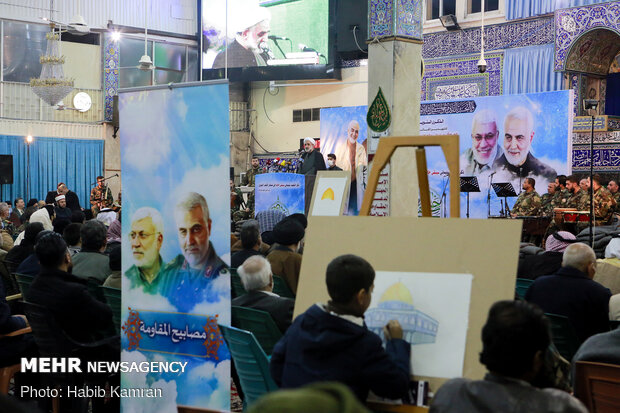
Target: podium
point(504, 190)
point(469, 184)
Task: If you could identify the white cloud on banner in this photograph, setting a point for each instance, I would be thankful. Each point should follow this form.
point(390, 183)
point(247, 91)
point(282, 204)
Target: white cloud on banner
point(146, 139)
point(211, 378)
point(165, 404)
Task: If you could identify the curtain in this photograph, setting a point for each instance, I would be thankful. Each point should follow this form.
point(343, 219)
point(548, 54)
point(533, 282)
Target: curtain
point(519, 9)
point(530, 70)
point(76, 162)
point(612, 95)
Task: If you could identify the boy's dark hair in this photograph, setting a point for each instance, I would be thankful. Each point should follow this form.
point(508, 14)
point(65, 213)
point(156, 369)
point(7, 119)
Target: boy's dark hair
point(93, 235)
point(331, 155)
point(513, 333)
point(249, 235)
point(115, 258)
point(31, 232)
point(77, 217)
point(346, 275)
point(562, 180)
point(50, 250)
point(71, 234)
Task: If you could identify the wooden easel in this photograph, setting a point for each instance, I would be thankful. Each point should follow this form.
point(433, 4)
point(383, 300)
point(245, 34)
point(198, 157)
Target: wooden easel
point(387, 145)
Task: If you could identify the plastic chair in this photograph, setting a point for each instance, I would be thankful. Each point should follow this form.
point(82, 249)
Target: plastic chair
point(24, 282)
point(113, 299)
point(7, 372)
point(597, 385)
point(564, 336)
point(522, 285)
point(251, 363)
point(258, 323)
point(236, 286)
point(281, 288)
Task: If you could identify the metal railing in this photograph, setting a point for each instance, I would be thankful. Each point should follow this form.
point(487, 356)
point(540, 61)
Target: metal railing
point(18, 101)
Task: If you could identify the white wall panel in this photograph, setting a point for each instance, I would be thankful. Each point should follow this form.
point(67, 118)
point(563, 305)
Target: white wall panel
point(176, 16)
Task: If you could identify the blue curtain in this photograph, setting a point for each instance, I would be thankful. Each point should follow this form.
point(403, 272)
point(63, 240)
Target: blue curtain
point(519, 9)
point(530, 70)
point(76, 162)
point(612, 95)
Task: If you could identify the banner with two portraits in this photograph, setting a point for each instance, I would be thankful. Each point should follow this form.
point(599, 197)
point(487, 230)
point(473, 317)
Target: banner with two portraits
point(176, 244)
point(503, 139)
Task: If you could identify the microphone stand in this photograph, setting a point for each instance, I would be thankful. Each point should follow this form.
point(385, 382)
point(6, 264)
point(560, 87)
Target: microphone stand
point(275, 41)
point(105, 179)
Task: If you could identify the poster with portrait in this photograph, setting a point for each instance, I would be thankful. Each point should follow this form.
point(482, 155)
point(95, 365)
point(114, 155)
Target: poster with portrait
point(281, 192)
point(176, 244)
point(343, 134)
point(503, 139)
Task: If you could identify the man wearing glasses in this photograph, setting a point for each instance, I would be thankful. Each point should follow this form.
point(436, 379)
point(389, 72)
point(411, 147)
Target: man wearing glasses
point(484, 148)
point(249, 47)
point(188, 278)
point(146, 239)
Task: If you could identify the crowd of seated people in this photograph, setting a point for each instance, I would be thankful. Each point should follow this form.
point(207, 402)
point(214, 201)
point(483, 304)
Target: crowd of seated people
point(65, 250)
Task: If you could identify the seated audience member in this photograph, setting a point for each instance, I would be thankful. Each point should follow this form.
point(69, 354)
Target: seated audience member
point(61, 210)
point(18, 211)
point(251, 242)
point(284, 259)
point(257, 279)
point(78, 313)
point(114, 232)
point(88, 215)
point(600, 348)
point(12, 348)
point(267, 220)
point(78, 217)
point(114, 279)
point(6, 226)
point(608, 269)
point(20, 252)
point(614, 307)
point(107, 216)
point(533, 266)
point(72, 237)
point(31, 207)
point(571, 292)
point(328, 397)
point(91, 262)
point(44, 215)
point(514, 341)
point(30, 265)
point(330, 342)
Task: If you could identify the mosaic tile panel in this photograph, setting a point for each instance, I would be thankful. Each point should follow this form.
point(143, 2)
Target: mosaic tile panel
point(593, 52)
point(570, 24)
point(111, 63)
point(395, 18)
point(583, 138)
point(380, 18)
point(459, 77)
point(574, 84)
point(606, 158)
point(496, 37)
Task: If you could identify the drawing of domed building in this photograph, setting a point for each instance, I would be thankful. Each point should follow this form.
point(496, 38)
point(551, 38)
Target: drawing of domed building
point(279, 206)
point(396, 303)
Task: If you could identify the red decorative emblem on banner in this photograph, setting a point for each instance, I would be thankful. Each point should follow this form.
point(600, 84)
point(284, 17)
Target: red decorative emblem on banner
point(132, 329)
point(214, 337)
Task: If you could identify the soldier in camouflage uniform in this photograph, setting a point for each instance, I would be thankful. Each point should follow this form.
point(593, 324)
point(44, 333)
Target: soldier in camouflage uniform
point(100, 196)
point(604, 203)
point(547, 200)
point(249, 180)
point(615, 193)
point(528, 203)
point(238, 211)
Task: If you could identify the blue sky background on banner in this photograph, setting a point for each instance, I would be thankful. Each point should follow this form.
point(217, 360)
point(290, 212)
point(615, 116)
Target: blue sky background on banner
point(171, 144)
point(292, 197)
point(550, 144)
point(334, 124)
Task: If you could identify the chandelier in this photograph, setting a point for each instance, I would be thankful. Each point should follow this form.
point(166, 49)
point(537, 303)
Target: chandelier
point(51, 85)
